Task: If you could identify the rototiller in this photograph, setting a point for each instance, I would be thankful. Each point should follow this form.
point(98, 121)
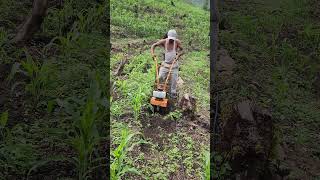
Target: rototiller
point(160, 98)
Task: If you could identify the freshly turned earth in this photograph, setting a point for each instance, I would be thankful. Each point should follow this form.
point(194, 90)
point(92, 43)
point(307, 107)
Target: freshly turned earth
point(248, 136)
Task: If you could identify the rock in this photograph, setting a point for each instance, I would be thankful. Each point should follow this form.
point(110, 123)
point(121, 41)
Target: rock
point(188, 105)
point(224, 68)
point(225, 63)
point(180, 82)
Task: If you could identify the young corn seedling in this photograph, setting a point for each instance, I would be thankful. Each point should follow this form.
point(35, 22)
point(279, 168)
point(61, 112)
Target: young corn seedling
point(137, 101)
point(86, 112)
point(39, 76)
point(85, 141)
point(118, 167)
point(88, 134)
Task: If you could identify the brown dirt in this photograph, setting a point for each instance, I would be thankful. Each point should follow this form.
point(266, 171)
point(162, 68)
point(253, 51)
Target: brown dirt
point(11, 101)
point(154, 127)
point(248, 136)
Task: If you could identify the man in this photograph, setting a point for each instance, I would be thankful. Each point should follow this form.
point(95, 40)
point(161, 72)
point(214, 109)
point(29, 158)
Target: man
point(171, 44)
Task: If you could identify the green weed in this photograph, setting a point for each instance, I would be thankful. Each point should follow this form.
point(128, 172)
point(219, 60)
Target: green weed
point(174, 115)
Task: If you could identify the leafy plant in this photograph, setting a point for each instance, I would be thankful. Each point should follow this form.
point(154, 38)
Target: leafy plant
point(174, 115)
point(118, 167)
point(39, 76)
point(86, 113)
point(137, 101)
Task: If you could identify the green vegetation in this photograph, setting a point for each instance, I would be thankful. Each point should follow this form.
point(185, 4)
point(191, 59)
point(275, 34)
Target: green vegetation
point(53, 92)
point(118, 168)
point(170, 148)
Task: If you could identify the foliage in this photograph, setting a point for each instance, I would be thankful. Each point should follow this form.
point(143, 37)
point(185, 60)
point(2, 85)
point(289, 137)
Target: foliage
point(118, 167)
point(53, 67)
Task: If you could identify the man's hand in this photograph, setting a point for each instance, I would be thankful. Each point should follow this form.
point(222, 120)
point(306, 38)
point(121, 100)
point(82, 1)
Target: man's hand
point(153, 56)
point(180, 54)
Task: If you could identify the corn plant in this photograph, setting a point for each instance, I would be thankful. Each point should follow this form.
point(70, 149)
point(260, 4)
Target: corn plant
point(88, 134)
point(118, 167)
point(87, 138)
point(137, 102)
point(39, 76)
point(86, 112)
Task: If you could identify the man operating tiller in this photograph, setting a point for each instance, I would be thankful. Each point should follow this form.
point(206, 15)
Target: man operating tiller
point(168, 71)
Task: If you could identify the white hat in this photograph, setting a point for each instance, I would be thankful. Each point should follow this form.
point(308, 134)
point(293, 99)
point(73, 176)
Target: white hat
point(172, 34)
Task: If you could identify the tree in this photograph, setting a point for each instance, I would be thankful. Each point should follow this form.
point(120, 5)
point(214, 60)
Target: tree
point(33, 23)
point(206, 4)
point(214, 28)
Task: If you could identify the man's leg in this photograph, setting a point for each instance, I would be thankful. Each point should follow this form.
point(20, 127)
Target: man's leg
point(163, 74)
point(174, 79)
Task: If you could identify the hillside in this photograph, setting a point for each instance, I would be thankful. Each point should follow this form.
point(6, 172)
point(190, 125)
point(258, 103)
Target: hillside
point(274, 51)
point(169, 146)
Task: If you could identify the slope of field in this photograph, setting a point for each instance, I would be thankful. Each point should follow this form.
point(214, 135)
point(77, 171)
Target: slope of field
point(275, 46)
point(171, 146)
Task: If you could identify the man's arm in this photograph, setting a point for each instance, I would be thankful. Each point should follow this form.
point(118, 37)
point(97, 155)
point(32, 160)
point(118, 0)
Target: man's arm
point(160, 42)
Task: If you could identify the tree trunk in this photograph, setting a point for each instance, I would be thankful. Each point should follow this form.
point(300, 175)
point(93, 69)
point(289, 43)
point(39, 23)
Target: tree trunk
point(33, 23)
point(120, 68)
point(214, 22)
point(206, 5)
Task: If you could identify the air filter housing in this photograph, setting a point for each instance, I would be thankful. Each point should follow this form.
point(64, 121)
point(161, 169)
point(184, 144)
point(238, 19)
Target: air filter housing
point(159, 94)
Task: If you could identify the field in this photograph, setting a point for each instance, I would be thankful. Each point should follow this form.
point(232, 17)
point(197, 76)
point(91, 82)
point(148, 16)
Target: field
point(147, 145)
point(53, 92)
